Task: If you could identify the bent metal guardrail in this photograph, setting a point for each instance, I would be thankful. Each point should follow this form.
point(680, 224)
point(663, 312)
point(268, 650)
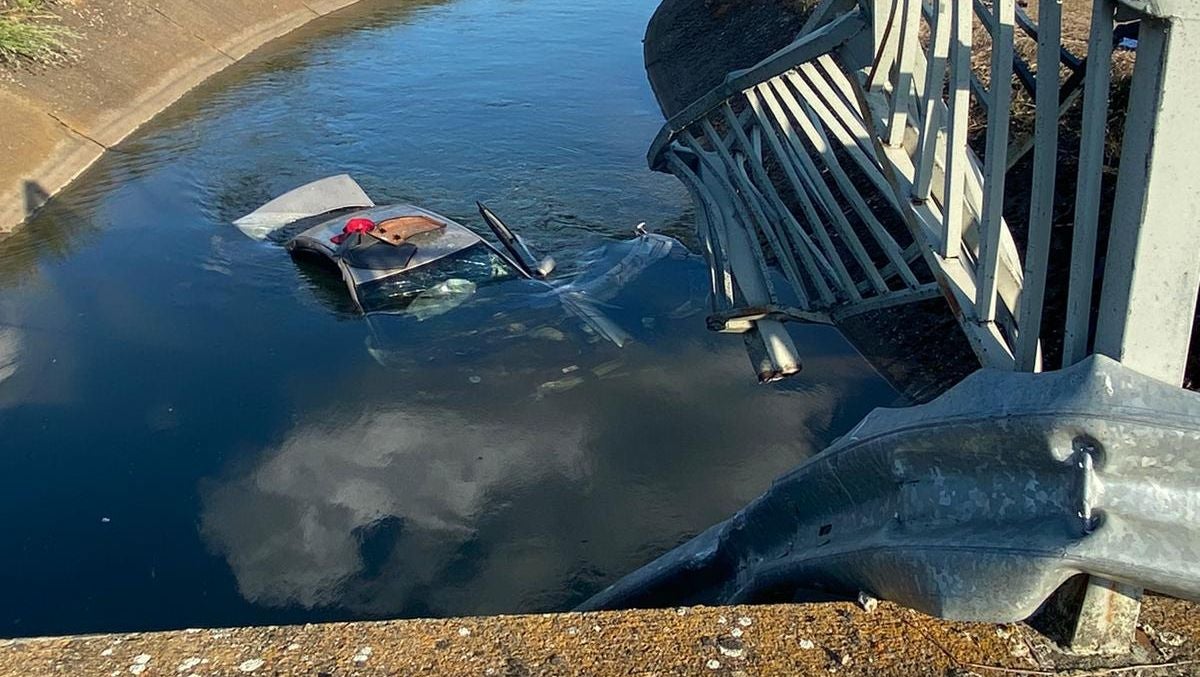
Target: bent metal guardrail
point(836, 177)
point(976, 506)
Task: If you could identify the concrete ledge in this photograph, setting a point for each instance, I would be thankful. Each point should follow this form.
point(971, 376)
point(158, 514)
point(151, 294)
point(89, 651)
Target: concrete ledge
point(784, 640)
point(136, 57)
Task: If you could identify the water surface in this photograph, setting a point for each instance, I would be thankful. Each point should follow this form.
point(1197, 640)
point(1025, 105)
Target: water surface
point(197, 431)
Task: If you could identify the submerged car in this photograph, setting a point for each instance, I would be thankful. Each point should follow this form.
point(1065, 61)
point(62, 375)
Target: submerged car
point(402, 259)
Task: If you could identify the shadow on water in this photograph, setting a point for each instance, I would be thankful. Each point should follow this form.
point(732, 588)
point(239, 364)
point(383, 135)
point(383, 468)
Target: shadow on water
point(199, 431)
point(52, 232)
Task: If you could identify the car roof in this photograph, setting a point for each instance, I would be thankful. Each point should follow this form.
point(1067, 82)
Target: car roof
point(431, 246)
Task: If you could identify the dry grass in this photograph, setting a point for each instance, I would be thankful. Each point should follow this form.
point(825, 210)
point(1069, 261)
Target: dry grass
point(30, 32)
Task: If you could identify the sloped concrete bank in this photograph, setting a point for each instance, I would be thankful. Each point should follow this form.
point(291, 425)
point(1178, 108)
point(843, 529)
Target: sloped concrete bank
point(134, 58)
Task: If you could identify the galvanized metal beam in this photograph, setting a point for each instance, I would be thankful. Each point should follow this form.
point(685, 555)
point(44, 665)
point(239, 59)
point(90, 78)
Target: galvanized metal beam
point(976, 506)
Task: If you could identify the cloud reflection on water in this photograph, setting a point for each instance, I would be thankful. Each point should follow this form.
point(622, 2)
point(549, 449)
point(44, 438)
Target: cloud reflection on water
point(292, 527)
point(440, 506)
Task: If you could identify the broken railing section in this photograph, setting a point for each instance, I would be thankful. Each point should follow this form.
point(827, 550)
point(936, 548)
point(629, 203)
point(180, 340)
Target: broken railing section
point(978, 505)
point(833, 179)
point(769, 168)
point(802, 165)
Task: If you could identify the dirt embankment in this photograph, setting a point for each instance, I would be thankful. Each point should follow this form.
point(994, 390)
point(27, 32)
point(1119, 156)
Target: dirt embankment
point(131, 59)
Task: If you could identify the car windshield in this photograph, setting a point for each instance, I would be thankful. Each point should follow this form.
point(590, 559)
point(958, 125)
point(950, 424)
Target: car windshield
point(437, 286)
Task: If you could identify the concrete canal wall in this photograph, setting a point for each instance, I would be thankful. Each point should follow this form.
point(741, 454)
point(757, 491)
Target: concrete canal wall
point(133, 59)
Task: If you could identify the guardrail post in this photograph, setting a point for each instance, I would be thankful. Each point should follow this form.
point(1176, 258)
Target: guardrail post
point(1153, 263)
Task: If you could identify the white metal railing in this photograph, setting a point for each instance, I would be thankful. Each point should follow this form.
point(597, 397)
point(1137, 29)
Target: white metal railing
point(806, 163)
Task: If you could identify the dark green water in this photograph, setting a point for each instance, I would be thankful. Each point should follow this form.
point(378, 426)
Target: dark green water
point(193, 431)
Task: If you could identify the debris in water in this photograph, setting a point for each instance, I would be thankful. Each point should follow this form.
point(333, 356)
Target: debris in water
point(607, 368)
point(568, 370)
point(561, 385)
point(475, 379)
point(548, 334)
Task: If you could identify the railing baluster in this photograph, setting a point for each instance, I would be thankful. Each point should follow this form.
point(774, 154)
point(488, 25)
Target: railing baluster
point(813, 129)
point(784, 257)
point(730, 199)
point(800, 188)
point(1091, 166)
point(712, 224)
point(991, 226)
point(901, 93)
point(935, 76)
point(1045, 165)
point(887, 38)
point(956, 133)
point(816, 91)
point(805, 249)
point(821, 190)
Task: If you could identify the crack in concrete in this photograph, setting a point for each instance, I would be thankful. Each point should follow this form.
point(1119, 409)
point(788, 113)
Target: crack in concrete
point(81, 134)
point(183, 28)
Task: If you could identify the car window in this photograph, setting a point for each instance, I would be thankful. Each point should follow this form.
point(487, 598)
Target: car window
point(477, 264)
